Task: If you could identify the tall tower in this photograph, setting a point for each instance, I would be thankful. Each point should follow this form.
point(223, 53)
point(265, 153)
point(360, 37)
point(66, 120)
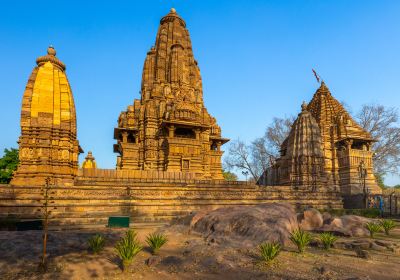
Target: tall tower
point(169, 128)
point(48, 146)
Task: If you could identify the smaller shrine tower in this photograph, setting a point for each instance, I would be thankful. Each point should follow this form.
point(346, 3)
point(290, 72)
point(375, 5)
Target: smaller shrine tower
point(48, 146)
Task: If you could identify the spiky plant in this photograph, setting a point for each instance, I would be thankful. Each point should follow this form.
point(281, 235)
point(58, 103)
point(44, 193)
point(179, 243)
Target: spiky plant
point(156, 241)
point(269, 251)
point(301, 239)
point(373, 228)
point(327, 239)
point(96, 243)
point(127, 248)
point(388, 225)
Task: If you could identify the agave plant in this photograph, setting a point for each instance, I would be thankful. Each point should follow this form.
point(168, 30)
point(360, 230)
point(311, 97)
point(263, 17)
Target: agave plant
point(96, 243)
point(388, 225)
point(301, 239)
point(269, 251)
point(127, 248)
point(327, 239)
point(373, 228)
point(156, 241)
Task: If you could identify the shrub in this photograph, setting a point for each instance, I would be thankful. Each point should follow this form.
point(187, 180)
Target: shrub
point(327, 239)
point(127, 248)
point(301, 239)
point(269, 251)
point(96, 243)
point(373, 228)
point(388, 225)
point(156, 241)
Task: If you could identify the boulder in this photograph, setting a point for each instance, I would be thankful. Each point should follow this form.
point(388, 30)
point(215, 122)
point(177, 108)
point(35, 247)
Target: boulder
point(248, 225)
point(310, 219)
point(348, 225)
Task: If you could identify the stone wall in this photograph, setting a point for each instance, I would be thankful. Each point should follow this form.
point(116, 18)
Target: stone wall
point(90, 203)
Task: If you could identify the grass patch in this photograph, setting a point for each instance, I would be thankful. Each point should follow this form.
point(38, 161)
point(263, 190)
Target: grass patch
point(155, 242)
point(301, 239)
point(388, 225)
point(96, 243)
point(327, 239)
point(373, 228)
point(127, 248)
point(269, 251)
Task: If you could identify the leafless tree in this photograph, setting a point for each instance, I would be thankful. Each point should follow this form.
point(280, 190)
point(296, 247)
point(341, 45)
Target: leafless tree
point(257, 157)
point(383, 124)
point(277, 132)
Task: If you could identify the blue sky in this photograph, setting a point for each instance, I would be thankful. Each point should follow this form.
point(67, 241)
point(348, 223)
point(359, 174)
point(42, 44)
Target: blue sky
point(255, 58)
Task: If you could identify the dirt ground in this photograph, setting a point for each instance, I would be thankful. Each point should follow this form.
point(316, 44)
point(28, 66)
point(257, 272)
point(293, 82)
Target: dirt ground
point(185, 256)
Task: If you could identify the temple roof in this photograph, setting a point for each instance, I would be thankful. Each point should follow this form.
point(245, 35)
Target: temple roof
point(328, 112)
point(304, 138)
point(48, 99)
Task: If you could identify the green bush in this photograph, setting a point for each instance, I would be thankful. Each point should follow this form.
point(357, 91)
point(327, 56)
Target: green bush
point(269, 251)
point(96, 243)
point(373, 228)
point(127, 248)
point(327, 239)
point(388, 225)
point(156, 241)
point(301, 239)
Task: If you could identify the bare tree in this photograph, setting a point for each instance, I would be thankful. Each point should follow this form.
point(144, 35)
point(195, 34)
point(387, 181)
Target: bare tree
point(258, 156)
point(277, 132)
point(382, 123)
point(240, 157)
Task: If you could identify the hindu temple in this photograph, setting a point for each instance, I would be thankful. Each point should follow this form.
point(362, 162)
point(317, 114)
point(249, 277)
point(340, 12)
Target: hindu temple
point(169, 128)
point(325, 148)
point(169, 148)
point(48, 144)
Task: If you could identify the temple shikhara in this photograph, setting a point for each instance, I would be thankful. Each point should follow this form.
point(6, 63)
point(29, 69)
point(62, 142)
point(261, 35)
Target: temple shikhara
point(325, 148)
point(48, 146)
point(169, 128)
point(169, 148)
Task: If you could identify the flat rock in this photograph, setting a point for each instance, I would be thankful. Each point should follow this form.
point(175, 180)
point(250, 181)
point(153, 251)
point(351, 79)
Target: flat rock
point(248, 225)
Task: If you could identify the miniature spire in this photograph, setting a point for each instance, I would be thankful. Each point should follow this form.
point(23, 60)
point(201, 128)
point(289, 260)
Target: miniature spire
point(304, 106)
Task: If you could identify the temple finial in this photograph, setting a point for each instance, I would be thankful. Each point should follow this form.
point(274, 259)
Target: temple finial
point(51, 50)
point(173, 10)
point(304, 106)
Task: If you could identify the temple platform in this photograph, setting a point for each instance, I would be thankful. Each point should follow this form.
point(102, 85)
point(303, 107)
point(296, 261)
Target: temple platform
point(91, 201)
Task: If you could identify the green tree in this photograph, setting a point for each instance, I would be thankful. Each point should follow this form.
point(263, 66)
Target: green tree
point(8, 163)
point(229, 176)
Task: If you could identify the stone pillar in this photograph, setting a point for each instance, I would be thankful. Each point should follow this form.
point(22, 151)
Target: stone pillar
point(171, 131)
point(124, 137)
point(197, 132)
point(218, 146)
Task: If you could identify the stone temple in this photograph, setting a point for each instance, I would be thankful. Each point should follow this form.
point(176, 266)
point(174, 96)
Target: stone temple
point(325, 148)
point(169, 129)
point(48, 145)
point(169, 149)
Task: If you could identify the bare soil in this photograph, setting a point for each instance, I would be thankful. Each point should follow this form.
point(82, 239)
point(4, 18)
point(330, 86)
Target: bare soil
point(186, 256)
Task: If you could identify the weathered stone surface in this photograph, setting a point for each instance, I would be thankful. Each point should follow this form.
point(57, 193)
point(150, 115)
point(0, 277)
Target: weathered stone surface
point(310, 219)
point(362, 253)
point(249, 225)
point(349, 225)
